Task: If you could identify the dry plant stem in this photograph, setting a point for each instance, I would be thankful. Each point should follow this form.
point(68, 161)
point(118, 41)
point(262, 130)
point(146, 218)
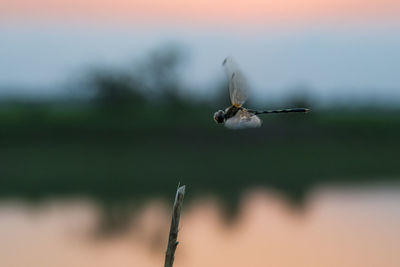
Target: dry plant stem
point(173, 232)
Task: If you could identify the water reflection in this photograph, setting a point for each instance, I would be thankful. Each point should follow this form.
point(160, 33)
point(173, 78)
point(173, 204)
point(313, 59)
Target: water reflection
point(337, 227)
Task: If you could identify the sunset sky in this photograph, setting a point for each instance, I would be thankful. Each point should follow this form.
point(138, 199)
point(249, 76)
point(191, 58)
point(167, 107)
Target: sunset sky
point(203, 12)
point(336, 48)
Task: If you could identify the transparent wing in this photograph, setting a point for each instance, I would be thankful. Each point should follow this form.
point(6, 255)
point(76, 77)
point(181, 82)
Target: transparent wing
point(243, 119)
point(238, 86)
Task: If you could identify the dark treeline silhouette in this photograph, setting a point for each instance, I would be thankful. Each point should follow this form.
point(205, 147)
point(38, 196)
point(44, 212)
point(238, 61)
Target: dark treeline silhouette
point(135, 134)
point(152, 81)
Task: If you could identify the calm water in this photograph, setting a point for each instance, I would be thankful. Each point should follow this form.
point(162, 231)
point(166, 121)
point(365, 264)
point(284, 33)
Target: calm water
point(336, 227)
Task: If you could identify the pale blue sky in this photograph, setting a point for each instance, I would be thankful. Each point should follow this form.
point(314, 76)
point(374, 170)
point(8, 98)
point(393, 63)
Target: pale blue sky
point(356, 63)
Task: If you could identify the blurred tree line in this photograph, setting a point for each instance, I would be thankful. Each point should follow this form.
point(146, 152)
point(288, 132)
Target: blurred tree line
point(135, 134)
point(155, 80)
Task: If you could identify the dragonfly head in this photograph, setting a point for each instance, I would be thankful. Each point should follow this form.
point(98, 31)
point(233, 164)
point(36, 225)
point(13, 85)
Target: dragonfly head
point(219, 116)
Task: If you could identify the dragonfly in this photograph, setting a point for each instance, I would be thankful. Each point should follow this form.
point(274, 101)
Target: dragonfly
point(236, 116)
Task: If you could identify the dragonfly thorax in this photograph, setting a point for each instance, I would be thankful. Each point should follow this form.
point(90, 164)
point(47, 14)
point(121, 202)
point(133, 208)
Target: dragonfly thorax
point(221, 116)
point(231, 111)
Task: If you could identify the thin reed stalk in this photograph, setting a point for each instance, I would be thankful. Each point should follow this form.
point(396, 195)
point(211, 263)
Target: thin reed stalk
point(173, 232)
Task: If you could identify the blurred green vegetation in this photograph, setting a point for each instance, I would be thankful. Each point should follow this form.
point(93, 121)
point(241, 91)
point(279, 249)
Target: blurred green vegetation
point(136, 137)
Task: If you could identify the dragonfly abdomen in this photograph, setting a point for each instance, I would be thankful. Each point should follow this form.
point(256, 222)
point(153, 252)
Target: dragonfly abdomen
point(286, 110)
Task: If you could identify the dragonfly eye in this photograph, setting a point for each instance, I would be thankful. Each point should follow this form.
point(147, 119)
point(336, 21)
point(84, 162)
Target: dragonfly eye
point(219, 116)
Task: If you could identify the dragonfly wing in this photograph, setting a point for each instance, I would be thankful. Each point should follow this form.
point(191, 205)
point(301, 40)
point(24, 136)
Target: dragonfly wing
point(243, 119)
point(238, 86)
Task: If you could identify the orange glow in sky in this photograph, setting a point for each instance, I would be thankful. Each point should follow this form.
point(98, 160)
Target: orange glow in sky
point(203, 12)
